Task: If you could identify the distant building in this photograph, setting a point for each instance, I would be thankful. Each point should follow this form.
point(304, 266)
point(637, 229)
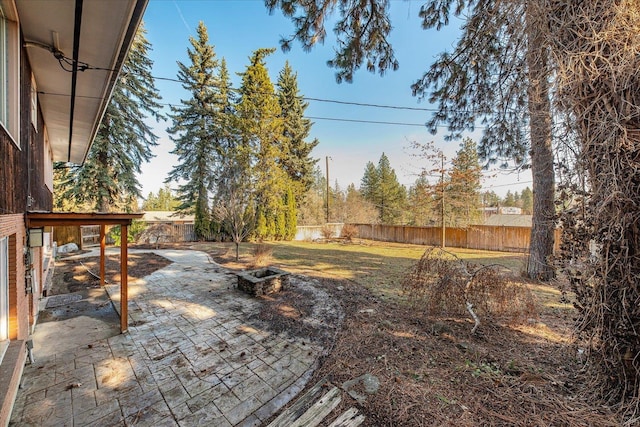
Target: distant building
point(167, 217)
point(509, 210)
point(509, 220)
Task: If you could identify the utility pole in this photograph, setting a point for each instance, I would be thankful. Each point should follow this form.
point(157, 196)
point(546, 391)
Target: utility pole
point(327, 168)
point(444, 230)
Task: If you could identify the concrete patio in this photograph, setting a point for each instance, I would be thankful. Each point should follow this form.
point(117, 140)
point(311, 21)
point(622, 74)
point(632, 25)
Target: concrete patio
point(191, 357)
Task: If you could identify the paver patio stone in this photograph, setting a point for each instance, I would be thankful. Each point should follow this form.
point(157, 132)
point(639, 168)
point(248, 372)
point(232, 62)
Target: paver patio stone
point(242, 411)
point(192, 356)
point(111, 419)
point(90, 415)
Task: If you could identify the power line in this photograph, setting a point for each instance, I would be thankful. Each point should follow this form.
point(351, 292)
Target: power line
point(365, 121)
point(83, 66)
point(335, 119)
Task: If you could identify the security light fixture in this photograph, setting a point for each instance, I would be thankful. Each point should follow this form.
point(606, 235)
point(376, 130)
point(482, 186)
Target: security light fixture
point(36, 237)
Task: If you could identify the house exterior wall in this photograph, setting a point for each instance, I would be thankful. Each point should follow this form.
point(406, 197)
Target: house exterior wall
point(12, 226)
point(23, 172)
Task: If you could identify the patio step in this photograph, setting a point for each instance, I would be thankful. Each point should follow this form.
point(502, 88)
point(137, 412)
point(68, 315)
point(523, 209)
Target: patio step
point(316, 405)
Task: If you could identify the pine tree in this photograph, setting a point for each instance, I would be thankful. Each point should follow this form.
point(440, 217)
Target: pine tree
point(370, 183)
point(295, 151)
point(420, 205)
point(291, 215)
point(380, 186)
point(193, 131)
point(361, 32)
point(490, 199)
point(108, 180)
point(163, 201)
point(498, 74)
point(509, 199)
point(392, 194)
point(526, 199)
point(464, 185)
point(261, 129)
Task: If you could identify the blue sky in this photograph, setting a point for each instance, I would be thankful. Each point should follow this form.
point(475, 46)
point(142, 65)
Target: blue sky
point(238, 27)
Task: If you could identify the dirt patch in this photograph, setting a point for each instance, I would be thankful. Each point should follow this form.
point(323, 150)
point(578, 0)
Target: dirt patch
point(303, 310)
point(75, 289)
point(77, 274)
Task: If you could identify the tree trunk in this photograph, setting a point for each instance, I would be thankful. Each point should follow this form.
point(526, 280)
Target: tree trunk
point(542, 230)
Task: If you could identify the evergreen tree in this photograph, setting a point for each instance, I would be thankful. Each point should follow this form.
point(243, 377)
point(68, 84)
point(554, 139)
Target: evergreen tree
point(509, 200)
point(526, 200)
point(464, 185)
point(392, 194)
point(361, 32)
point(193, 130)
point(490, 199)
point(291, 215)
point(107, 180)
point(370, 183)
point(380, 186)
point(498, 74)
point(420, 204)
point(261, 129)
point(295, 151)
point(233, 193)
point(163, 201)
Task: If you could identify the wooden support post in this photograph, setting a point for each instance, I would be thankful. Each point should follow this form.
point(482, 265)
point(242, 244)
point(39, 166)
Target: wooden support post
point(102, 255)
point(124, 276)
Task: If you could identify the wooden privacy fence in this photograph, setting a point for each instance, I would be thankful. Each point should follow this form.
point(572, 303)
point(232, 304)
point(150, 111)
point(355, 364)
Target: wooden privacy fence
point(485, 237)
point(187, 233)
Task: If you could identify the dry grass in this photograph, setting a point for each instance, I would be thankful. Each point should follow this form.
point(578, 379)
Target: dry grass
point(379, 266)
point(262, 254)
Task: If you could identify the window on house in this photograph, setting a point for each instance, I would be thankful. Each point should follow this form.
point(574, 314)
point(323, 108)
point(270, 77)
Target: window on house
point(48, 162)
point(9, 73)
point(34, 103)
point(4, 81)
point(4, 295)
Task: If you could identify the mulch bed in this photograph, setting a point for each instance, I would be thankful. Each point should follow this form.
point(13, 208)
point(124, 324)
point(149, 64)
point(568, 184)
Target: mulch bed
point(434, 372)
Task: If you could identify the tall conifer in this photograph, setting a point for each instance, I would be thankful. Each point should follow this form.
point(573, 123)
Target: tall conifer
point(107, 181)
point(380, 186)
point(194, 130)
point(296, 158)
point(260, 127)
point(464, 185)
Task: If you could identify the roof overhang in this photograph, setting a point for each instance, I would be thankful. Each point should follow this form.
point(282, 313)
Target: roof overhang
point(53, 219)
point(95, 32)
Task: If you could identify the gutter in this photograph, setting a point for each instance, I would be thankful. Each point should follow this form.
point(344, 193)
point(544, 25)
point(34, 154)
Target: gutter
point(74, 77)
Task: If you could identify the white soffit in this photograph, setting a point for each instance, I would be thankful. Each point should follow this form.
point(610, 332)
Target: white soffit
point(106, 32)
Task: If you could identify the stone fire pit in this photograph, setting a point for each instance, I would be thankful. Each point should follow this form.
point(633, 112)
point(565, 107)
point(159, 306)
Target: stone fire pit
point(262, 281)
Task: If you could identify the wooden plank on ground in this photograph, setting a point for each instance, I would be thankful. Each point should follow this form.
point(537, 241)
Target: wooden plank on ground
point(320, 409)
point(301, 405)
point(351, 418)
